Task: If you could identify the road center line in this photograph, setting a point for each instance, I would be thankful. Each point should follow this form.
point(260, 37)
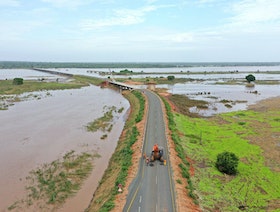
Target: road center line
point(156, 180)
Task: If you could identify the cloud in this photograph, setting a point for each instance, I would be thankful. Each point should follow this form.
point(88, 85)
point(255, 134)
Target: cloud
point(248, 12)
point(121, 17)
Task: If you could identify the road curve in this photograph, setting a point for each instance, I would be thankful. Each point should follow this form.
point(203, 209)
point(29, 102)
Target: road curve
point(153, 188)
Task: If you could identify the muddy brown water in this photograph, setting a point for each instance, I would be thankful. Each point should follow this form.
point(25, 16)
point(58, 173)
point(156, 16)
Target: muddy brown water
point(35, 132)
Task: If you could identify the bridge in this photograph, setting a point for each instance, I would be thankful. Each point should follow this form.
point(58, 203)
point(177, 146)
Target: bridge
point(53, 72)
point(121, 86)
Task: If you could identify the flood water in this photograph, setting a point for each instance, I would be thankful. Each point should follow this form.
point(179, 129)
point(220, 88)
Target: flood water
point(38, 131)
point(35, 132)
point(239, 97)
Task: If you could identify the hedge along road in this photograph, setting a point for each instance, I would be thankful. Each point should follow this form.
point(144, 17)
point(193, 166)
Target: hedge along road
point(153, 187)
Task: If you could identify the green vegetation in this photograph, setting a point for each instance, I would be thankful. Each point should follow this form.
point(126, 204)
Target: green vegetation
point(17, 81)
point(185, 166)
point(183, 104)
point(121, 160)
point(141, 99)
point(250, 78)
point(124, 72)
point(10, 89)
point(50, 185)
point(7, 87)
point(227, 163)
point(103, 123)
point(170, 78)
point(85, 80)
point(256, 187)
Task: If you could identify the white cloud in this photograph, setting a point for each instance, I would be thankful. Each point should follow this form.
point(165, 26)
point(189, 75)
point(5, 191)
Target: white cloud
point(249, 12)
point(121, 17)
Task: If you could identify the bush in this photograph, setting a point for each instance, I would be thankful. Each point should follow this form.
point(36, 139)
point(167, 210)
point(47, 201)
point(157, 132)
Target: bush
point(170, 78)
point(227, 163)
point(18, 81)
point(250, 78)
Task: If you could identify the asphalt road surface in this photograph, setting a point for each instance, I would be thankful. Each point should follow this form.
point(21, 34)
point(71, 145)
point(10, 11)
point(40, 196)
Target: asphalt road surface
point(153, 189)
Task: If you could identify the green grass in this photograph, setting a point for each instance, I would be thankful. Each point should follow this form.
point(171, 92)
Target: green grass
point(254, 185)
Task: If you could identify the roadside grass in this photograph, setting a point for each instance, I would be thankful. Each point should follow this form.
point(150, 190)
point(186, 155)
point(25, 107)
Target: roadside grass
point(50, 185)
point(117, 170)
point(255, 187)
point(184, 164)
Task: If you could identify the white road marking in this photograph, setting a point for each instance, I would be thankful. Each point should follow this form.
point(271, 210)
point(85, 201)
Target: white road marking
point(139, 209)
point(140, 199)
point(156, 180)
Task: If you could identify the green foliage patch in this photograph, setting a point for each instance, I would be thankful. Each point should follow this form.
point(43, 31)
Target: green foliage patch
point(255, 186)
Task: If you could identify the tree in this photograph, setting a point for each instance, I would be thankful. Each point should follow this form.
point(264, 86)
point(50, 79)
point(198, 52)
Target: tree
point(18, 81)
point(227, 163)
point(170, 78)
point(250, 78)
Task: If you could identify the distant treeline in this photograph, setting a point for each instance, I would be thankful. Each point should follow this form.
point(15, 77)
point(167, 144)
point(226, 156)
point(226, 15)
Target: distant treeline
point(28, 65)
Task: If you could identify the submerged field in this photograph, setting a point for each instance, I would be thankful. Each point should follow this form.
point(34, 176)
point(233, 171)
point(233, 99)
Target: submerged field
point(253, 135)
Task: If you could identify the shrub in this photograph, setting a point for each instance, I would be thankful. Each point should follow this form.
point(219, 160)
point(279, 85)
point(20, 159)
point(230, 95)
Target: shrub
point(227, 163)
point(170, 78)
point(18, 81)
point(250, 78)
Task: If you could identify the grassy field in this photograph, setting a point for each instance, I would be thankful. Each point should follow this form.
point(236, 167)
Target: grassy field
point(7, 87)
point(256, 187)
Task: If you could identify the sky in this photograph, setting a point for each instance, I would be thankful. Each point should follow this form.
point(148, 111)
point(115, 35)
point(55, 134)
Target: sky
point(140, 31)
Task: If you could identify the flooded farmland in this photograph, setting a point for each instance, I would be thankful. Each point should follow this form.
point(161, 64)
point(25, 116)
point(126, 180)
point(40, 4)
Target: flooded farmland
point(41, 130)
point(35, 132)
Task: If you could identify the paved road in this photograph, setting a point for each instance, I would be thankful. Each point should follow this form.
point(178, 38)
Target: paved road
point(153, 189)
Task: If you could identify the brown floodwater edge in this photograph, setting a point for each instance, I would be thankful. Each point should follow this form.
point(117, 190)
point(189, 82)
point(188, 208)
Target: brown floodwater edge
point(42, 130)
